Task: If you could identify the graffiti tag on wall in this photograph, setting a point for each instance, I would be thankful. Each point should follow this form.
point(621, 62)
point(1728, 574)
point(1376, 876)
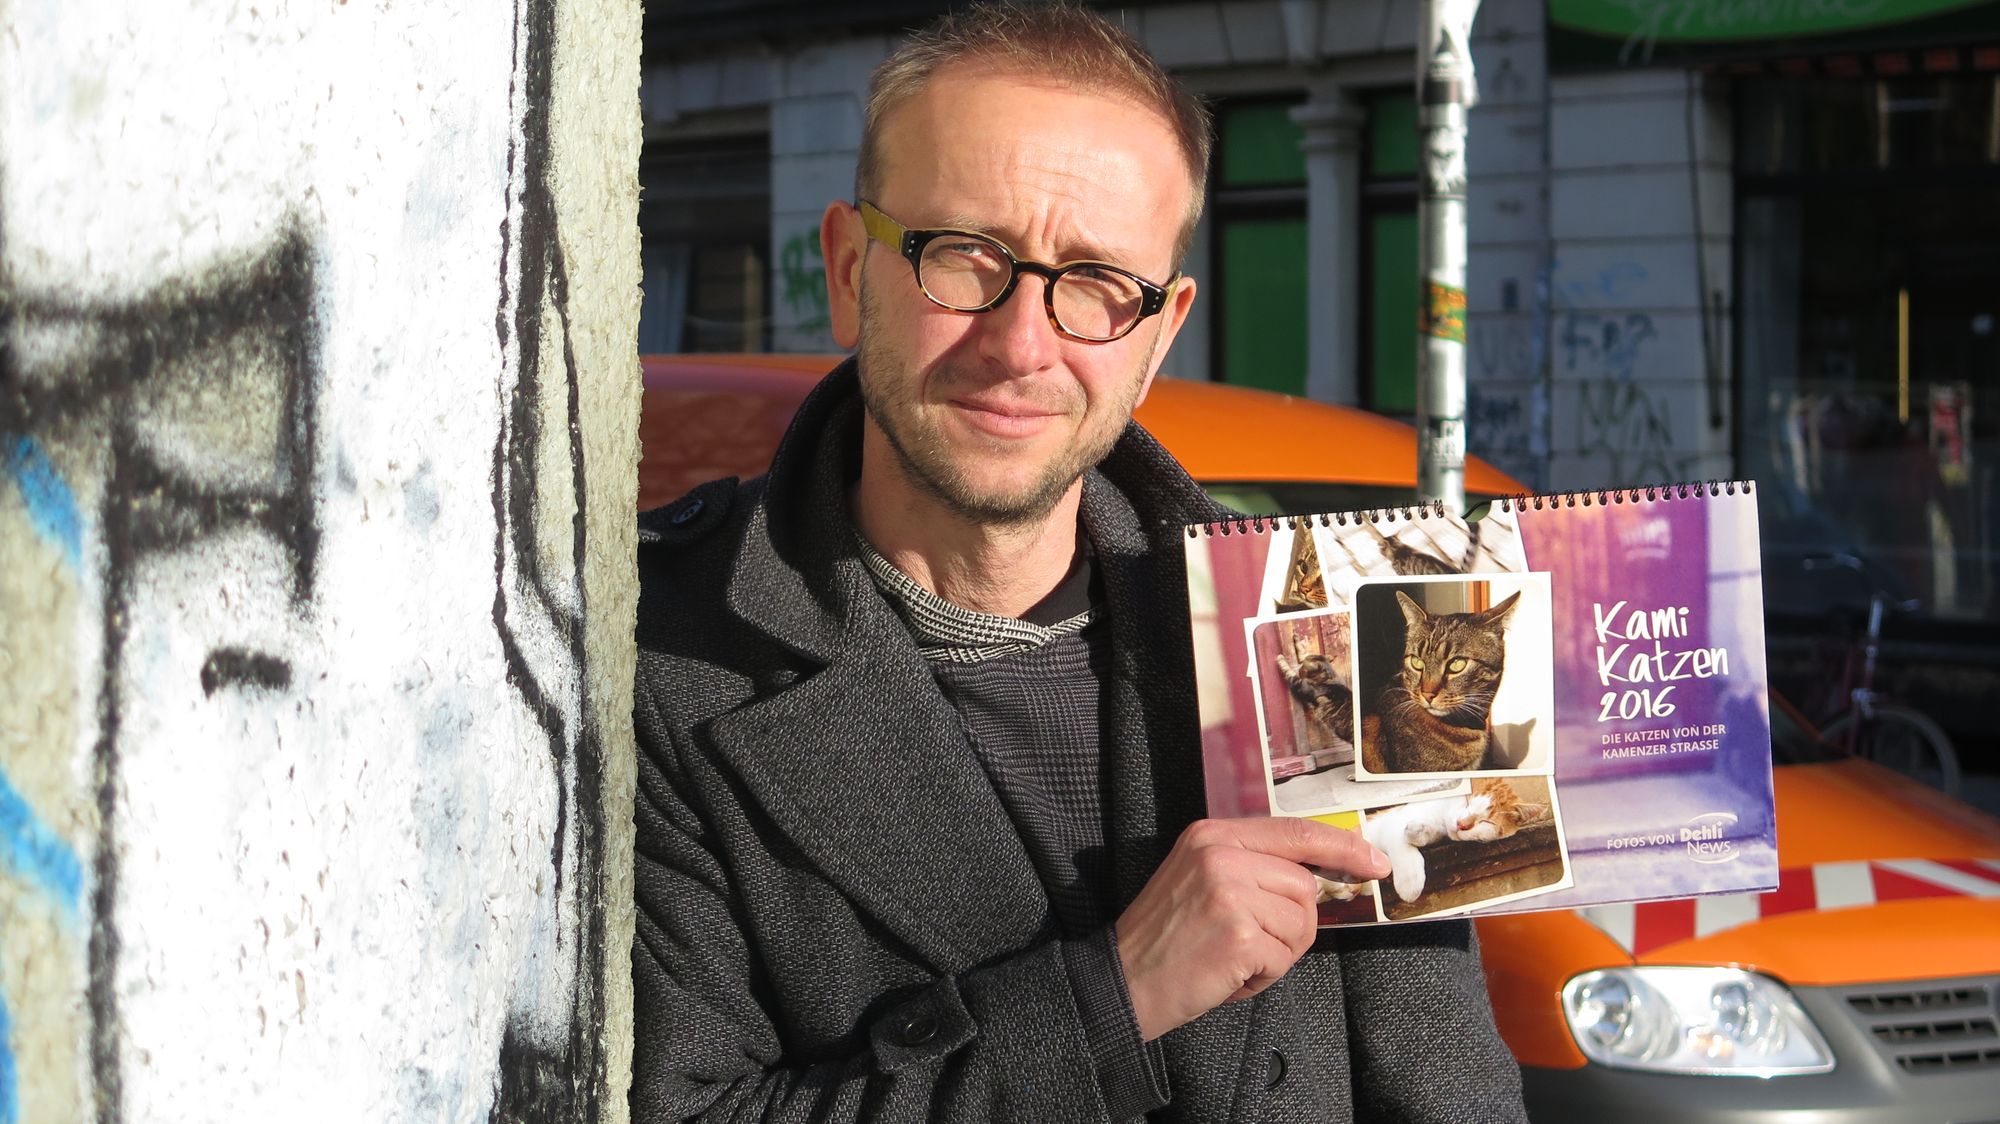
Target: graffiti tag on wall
point(1597, 354)
point(802, 278)
point(210, 485)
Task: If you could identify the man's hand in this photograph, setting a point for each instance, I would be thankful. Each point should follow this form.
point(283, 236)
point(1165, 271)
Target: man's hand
point(1229, 911)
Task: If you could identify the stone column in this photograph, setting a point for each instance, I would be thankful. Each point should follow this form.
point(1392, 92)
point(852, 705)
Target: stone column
point(318, 440)
point(1332, 126)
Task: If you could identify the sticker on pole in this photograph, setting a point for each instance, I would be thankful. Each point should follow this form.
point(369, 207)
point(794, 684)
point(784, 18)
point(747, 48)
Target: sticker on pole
point(1442, 313)
point(1441, 442)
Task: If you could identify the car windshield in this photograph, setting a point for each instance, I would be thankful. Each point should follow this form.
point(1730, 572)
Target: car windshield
point(1291, 498)
point(1795, 743)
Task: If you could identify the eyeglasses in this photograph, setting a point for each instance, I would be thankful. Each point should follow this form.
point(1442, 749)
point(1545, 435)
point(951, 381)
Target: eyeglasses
point(1092, 301)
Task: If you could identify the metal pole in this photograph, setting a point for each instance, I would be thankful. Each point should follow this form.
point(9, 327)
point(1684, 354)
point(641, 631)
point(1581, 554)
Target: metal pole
point(1444, 93)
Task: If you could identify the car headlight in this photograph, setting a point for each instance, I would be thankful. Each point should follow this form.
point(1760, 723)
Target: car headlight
point(1692, 1020)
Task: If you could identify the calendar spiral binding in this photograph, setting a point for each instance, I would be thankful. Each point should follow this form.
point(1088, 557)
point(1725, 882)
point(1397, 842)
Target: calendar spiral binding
point(1524, 501)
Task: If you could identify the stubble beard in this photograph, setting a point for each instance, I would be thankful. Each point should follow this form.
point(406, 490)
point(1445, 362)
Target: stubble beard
point(929, 464)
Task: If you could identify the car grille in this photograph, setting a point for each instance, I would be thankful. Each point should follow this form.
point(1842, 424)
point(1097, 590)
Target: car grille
point(1931, 1026)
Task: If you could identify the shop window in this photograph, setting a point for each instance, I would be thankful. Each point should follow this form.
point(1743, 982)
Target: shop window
point(1868, 257)
point(1259, 220)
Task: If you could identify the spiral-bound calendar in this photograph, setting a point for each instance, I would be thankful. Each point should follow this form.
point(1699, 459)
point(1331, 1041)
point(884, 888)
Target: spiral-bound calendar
point(1559, 703)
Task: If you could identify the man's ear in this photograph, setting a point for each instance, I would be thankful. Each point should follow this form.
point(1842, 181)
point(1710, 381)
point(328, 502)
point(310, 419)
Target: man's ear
point(1171, 318)
point(842, 246)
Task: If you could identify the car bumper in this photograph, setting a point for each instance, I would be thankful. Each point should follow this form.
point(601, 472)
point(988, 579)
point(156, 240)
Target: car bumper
point(1556, 1096)
point(1868, 1084)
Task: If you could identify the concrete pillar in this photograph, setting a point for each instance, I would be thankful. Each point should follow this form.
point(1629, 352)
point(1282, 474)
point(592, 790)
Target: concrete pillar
point(317, 449)
point(1332, 143)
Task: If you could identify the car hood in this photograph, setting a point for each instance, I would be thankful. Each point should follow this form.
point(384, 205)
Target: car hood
point(1881, 879)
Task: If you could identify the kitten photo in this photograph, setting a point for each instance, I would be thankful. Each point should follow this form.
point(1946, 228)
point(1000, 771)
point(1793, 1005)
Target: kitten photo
point(1493, 811)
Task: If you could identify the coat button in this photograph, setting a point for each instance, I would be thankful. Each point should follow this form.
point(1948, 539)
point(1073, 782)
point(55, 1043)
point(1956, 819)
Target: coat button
point(919, 1029)
point(1276, 1076)
point(692, 509)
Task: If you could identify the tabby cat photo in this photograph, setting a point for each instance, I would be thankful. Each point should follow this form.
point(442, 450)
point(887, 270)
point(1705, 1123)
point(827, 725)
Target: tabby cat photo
point(1433, 672)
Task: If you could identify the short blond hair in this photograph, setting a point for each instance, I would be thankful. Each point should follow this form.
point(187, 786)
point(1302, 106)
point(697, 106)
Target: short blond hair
point(1060, 41)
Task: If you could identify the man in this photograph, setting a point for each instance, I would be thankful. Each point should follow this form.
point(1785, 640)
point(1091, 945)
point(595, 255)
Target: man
point(918, 824)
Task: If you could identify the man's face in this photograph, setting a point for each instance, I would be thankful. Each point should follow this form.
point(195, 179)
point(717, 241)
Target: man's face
point(995, 413)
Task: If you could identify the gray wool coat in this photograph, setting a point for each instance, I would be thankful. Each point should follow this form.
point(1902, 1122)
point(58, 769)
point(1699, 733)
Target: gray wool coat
point(835, 918)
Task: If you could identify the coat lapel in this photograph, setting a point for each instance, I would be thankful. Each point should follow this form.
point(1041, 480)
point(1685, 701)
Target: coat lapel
point(1153, 742)
point(862, 762)
point(1135, 514)
point(866, 767)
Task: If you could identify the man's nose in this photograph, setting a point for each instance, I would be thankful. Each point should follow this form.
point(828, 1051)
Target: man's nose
point(1017, 336)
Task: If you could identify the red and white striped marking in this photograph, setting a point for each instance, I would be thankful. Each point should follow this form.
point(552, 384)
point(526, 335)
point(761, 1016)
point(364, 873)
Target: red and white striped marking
point(1641, 927)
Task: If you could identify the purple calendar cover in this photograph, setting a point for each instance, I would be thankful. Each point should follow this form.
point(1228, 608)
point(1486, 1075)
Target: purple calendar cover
point(1560, 703)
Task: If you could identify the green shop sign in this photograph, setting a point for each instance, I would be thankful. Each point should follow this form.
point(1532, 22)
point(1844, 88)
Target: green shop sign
point(1629, 32)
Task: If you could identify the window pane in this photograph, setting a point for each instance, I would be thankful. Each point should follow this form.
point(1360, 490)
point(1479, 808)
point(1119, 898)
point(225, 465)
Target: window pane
point(1260, 146)
point(1871, 356)
point(1264, 304)
point(1392, 136)
point(1789, 126)
point(705, 220)
point(726, 312)
point(1392, 278)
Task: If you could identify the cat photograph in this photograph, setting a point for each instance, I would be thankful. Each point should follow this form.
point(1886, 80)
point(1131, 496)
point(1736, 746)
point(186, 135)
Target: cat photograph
point(1454, 675)
point(1305, 694)
point(1497, 841)
point(1321, 690)
point(1428, 544)
point(1304, 585)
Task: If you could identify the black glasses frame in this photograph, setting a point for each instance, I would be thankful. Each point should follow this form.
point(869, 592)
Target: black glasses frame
point(910, 244)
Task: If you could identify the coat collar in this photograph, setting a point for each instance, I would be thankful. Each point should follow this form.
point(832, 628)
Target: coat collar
point(820, 753)
point(798, 573)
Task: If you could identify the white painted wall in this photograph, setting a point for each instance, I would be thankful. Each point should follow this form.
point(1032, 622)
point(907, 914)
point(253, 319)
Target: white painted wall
point(1508, 399)
point(329, 703)
point(815, 140)
point(1642, 213)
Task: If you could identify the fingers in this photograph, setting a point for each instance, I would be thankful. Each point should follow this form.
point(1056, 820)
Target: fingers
point(1246, 891)
point(1289, 915)
point(1229, 912)
point(1340, 854)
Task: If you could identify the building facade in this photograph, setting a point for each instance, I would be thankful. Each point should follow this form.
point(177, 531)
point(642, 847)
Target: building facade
point(1706, 239)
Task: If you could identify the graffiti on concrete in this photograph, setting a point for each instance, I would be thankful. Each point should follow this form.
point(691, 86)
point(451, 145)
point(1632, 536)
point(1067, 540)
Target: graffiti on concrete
point(1604, 344)
point(1503, 348)
point(803, 276)
point(37, 855)
point(1611, 282)
point(1509, 422)
point(50, 505)
point(1631, 429)
point(196, 508)
point(154, 367)
point(1593, 350)
point(548, 1074)
point(1594, 342)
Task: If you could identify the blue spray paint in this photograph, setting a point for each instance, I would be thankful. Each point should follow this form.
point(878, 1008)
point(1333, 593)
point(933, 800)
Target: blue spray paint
point(28, 847)
point(50, 504)
point(35, 853)
point(10, 1085)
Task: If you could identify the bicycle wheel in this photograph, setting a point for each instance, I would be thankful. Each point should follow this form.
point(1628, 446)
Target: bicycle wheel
point(1904, 740)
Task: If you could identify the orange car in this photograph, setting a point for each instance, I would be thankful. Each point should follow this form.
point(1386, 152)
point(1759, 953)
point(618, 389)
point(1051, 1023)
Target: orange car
point(1865, 988)
point(721, 415)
